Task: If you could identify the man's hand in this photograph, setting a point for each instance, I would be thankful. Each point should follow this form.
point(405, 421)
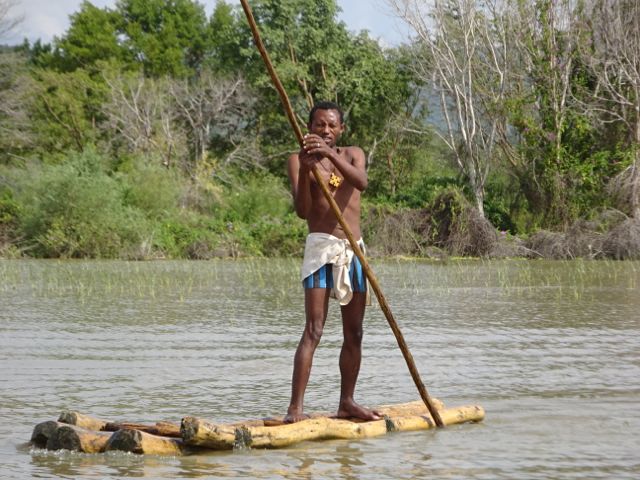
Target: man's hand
point(315, 146)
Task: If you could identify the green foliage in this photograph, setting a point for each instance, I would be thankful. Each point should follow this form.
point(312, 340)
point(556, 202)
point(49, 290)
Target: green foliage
point(9, 215)
point(76, 210)
point(64, 108)
point(167, 36)
point(258, 212)
point(255, 197)
point(184, 234)
point(151, 188)
point(92, 36)
point(134, 82)
point(164, 37)
point(9, 208)
point(316, 59)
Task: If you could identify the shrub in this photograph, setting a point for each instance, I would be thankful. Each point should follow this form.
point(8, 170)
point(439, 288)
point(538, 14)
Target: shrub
point(75, 209)
point(256, 197)
point(151, 188)
point(459, 228)
point(9, 212)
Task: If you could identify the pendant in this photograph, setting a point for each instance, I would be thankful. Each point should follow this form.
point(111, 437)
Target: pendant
point(335, 181)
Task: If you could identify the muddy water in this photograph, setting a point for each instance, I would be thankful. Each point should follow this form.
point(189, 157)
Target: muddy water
point(551, 350)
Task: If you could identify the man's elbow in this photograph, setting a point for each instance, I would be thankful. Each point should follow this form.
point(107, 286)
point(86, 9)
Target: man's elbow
point(302, 212)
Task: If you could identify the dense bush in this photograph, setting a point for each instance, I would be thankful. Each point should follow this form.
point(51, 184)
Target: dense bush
point(75, 209)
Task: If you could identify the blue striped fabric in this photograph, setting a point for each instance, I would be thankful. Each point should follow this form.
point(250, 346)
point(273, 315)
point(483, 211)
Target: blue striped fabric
point(323, 277)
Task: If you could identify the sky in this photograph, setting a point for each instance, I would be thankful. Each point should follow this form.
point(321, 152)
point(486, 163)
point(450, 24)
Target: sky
point(44, 19)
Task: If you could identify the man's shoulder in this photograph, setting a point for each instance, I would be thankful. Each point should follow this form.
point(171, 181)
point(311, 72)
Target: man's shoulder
point(353, 151)
point(352, 148)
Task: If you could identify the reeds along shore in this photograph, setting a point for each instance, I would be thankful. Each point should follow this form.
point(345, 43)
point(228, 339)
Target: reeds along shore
point(77, 432)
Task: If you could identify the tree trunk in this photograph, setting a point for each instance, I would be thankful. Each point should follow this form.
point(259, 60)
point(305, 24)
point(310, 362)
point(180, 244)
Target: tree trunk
point(80, 420)
point(77, 439)
point(135, 441)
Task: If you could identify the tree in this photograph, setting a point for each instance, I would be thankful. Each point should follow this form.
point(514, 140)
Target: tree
point(211, 108)
point(166, 36)
point(92, 36)
point(542, 140)
point(16, 94)
point(613, 58)
point(465, 62)
point(140, 116)
point(316, 59)
point(64, 110)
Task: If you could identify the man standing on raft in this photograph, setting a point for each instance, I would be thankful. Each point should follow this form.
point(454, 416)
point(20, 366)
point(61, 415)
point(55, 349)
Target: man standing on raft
point(329, 266)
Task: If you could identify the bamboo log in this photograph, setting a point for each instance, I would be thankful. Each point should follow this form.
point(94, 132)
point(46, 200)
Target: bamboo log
point(162, 429)
point(373, 281)
point(78, 439)
point(416, 407)
point(80, 420)
point(202, 433)
point(135, 441)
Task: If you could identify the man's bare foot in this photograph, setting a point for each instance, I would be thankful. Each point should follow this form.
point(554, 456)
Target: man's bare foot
point(294, 415)
point(350, 409)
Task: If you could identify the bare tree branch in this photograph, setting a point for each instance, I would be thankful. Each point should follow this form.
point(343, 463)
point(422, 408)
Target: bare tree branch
point(7, 21)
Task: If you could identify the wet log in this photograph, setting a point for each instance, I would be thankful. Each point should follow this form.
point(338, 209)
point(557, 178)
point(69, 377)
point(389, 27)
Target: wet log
point(80, 420)
point(162, 429)
point(202, 433)
point(42, 432)
point(135, 441)
point(77, 439)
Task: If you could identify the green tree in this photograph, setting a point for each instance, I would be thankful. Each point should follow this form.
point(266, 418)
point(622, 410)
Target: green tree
point(165, 36)
point(317, 58)
point(64, 110)
point(92, 36)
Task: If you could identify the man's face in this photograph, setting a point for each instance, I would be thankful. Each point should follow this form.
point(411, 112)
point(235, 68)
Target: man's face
point(326, 124)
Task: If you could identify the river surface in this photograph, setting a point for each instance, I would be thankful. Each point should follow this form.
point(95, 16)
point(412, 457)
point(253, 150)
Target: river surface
point(551, 350)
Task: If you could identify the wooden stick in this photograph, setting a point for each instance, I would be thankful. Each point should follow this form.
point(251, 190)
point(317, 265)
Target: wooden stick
point(162, 429)
point(373, 281)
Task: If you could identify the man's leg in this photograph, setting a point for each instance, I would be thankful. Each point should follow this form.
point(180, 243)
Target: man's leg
point(350, 356)
point(316, 304)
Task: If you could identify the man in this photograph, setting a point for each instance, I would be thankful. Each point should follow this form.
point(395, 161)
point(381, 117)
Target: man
point(329, 266)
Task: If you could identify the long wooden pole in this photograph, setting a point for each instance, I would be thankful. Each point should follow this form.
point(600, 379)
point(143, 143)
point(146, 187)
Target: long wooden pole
point(373, 281)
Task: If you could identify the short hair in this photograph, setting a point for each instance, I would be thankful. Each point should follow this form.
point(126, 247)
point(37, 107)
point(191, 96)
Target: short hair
point(326, 106)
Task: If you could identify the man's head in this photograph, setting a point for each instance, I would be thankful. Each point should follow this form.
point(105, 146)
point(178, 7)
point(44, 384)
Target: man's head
point(327, 121)
point(326, 106)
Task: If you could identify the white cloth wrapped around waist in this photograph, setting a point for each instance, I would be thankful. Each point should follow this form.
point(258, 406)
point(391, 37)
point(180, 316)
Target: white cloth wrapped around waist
point(323, 248)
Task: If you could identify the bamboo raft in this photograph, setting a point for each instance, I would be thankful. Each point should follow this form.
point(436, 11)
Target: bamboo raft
point(82, 433)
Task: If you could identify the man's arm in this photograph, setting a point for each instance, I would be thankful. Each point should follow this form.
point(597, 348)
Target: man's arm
point(352, 166)
point(355, 171)
point(300, 185)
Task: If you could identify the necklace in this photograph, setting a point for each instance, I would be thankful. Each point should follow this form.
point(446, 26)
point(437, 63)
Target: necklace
point(334, 180)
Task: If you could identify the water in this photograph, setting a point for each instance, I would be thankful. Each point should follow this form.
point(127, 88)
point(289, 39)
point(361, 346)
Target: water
point(549, 349)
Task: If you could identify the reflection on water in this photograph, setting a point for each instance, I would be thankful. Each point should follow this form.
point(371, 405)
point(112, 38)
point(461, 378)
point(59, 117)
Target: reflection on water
point(550, 349)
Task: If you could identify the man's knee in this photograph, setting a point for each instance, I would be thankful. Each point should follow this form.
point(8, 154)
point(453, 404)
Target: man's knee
point(313, 333)
point(353, 336)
